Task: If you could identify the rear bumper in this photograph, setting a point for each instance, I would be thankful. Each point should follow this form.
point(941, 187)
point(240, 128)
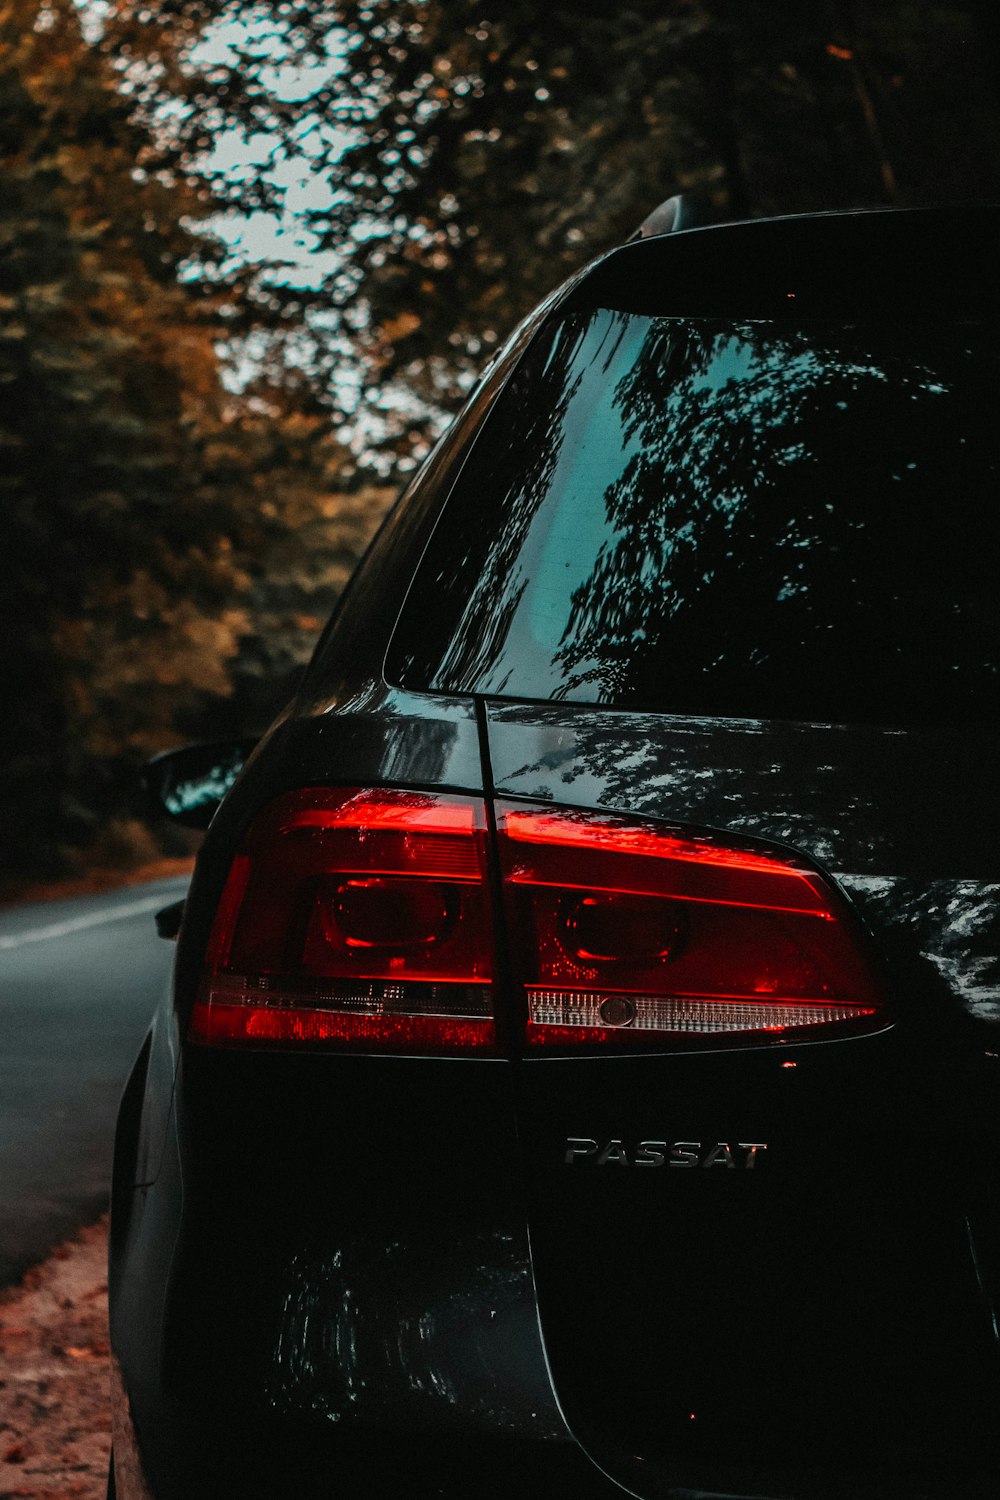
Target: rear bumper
point(198, 1461)
point(329, 1284)
point(192, 1458)
point(331, 1294)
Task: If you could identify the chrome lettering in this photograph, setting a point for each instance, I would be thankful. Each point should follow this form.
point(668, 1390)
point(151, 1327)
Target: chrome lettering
point(719, 1156)
point(685, 1153)
point(578, 1147)
point(655, 1153)
point(751, 1148)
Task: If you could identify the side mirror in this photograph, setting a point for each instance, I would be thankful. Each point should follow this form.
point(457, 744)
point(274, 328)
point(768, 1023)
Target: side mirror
point(189, 784)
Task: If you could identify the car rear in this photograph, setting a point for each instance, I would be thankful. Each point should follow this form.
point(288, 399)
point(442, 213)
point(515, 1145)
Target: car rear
point(586, 1012)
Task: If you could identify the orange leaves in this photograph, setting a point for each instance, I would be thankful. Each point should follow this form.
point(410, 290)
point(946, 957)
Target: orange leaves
point(399, 327)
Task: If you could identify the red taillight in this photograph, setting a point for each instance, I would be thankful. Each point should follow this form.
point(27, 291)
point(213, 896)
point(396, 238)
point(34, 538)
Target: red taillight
point(361, 918)
point(354, 918)
point(627, 933)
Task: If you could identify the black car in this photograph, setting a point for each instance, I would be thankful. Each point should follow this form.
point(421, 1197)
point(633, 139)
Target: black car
point(581, 1073)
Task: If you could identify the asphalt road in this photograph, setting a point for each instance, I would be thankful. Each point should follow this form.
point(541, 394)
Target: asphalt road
point(78, 983)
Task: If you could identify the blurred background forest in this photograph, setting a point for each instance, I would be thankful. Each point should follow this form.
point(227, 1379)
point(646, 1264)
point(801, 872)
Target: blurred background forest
point(252, 256)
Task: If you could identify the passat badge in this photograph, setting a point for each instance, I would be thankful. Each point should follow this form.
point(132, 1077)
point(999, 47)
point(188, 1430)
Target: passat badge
point(737, 1155)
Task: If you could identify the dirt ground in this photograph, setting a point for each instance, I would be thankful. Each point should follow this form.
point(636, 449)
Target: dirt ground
point(54, 1416)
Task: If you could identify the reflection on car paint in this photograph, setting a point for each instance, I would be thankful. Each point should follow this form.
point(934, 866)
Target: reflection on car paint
point(358, 1337)
point(905, 820)
point(955, 926)
point(872, 800)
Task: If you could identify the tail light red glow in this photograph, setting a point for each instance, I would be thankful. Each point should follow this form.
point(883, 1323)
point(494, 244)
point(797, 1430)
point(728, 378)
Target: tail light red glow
point(627, 933)
point(354, 918)
point(361, 918)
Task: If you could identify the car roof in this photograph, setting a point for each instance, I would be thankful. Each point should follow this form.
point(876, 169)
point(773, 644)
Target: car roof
point(882, 263)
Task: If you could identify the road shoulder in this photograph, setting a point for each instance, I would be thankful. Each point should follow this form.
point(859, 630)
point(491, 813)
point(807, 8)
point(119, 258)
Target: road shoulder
point(55, 1426)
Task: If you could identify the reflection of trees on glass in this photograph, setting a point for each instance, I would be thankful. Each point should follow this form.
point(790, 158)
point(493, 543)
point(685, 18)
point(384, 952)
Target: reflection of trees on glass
point(718, 517)
point(800, 526)
point(474, 577)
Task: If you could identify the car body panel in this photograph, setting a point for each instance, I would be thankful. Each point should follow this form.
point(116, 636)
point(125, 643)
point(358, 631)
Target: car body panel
point(372, 1275)
point(863, 799)
point(833, 1304)
point(292, 1191)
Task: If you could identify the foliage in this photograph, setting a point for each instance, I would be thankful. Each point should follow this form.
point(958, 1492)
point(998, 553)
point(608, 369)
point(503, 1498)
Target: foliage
point(175, 529)
point(491, 149)
point(140, 498)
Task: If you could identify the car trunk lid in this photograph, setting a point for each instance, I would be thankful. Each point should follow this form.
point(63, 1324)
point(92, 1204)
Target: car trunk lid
point(787, 1249)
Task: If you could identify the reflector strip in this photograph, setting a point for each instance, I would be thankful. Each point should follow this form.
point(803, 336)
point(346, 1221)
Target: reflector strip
point(683, 1014)
point(373, 997)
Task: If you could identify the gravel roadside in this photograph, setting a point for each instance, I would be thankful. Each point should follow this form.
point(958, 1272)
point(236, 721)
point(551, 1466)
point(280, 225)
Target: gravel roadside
point(55, 1424)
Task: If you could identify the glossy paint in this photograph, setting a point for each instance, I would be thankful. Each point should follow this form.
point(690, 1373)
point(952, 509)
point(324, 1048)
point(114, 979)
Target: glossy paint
point(259, 1202)
point(374, 1276)
point(728, 1320)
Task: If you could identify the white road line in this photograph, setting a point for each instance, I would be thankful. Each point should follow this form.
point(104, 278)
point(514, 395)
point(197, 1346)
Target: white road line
point(77, 924)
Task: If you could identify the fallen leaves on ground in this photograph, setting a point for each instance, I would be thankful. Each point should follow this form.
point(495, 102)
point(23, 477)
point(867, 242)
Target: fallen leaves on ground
point(55, 1424)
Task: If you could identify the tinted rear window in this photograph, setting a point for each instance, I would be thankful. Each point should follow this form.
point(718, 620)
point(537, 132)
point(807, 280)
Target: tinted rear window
point(720, 517)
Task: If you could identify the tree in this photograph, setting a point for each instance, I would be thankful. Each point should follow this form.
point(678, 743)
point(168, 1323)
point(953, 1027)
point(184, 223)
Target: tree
point(140, 496)
point(491, 149)
point(94, 477)
point(177, 530)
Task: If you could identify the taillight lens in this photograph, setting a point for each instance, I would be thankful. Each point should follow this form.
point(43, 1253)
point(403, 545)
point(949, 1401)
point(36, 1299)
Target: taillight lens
point(625, 933)
point(361, 918)
point(357, 918)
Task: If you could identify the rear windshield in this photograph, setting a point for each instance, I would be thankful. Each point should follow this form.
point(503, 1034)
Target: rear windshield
point(718, 517)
